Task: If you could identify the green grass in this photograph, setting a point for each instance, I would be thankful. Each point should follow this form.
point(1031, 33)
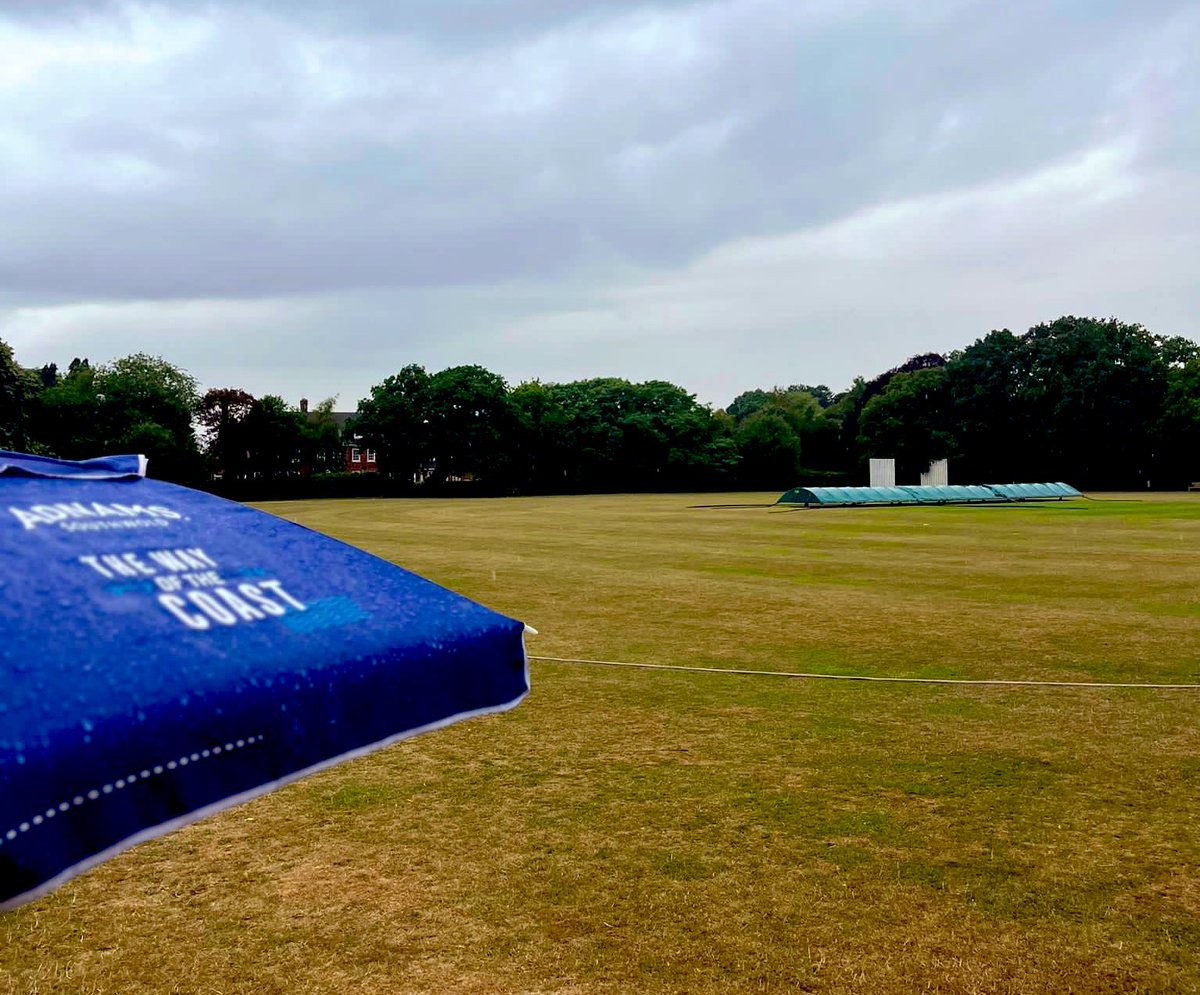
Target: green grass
point(640, 831)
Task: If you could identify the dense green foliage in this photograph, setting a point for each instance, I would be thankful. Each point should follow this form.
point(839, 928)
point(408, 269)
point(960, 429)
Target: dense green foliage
point(139, 404)
point(12, 413)
point(1096, 403)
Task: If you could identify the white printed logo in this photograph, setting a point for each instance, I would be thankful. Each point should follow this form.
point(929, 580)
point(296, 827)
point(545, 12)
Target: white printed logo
point(192, 589)
point(94, 516)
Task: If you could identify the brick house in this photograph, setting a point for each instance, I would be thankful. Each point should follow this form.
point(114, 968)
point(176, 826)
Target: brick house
point(357, 458)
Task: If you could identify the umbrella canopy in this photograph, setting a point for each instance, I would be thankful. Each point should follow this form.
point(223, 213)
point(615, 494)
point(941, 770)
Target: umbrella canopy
point(165, 653)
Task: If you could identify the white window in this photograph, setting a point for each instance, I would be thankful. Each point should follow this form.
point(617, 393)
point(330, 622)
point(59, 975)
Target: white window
point(370, 455)
point(355, 455)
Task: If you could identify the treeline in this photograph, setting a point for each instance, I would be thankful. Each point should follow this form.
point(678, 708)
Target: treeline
point(1097, 403)
point(144, 404)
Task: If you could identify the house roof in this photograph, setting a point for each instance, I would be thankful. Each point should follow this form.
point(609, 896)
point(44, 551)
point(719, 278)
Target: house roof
point(339, 417)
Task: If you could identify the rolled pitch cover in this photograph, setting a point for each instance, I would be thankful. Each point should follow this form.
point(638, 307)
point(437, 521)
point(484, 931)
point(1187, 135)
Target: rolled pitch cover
point(165, 654)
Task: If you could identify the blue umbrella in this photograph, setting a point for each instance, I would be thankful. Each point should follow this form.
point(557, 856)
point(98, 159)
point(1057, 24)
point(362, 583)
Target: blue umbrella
point(165, 654)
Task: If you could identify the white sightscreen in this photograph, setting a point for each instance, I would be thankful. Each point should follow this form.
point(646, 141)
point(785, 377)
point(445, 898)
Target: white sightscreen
point(938, 474)
point(883, 473)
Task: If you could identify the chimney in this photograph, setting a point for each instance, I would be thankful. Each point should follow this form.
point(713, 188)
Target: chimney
point(304, 405)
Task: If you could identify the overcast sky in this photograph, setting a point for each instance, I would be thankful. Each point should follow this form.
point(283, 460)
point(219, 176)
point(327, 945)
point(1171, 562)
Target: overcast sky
point(302, 196)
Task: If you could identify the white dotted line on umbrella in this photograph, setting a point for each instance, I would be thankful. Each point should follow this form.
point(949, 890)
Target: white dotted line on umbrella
point(97, 793)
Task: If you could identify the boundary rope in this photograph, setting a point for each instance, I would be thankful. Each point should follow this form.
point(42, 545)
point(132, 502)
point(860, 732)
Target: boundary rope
point(993, 682)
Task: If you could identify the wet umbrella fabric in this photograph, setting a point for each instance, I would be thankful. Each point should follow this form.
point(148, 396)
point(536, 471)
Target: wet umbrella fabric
point(165, 654)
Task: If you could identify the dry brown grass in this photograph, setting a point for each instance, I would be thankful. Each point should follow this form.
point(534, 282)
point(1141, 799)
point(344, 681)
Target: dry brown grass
point(634, 831)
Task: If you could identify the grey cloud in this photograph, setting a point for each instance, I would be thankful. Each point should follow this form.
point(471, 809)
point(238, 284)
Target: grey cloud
point(265, 159)
point(454, 24)
point(852, 297)
point(302, 197)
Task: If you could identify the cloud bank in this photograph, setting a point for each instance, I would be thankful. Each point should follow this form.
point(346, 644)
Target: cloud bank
point(302, 197)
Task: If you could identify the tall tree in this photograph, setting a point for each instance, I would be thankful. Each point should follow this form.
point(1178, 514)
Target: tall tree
point(592, 432)
point(539, 445)
point(469, 419)
point(781, 432)
point(65, 418)
point(986, 384)
point(146, 405)
point(821, 392)
point(321, 446)
point(620, 435)
point(394, 422)
point(1094, 393)
point(137, 404)
point(769, 450)
point(222, 414)
point(910, 421)
point(748, 402)
point(12, 400)
point(273, 432)
point(1178, 441)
